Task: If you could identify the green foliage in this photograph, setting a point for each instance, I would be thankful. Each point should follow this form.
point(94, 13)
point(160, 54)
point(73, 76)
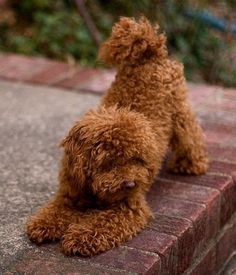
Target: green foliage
point(55, 29)
point(197, 46)
point(50, 28)
point(57, 39)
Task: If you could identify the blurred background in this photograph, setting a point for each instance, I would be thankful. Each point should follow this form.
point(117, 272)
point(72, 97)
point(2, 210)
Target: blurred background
point(201, 34)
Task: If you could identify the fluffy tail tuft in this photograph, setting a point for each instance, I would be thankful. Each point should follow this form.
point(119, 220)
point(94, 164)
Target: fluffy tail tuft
point(131, 41)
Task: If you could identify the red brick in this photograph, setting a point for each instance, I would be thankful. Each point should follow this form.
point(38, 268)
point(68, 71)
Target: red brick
point(217, 116)
point(183, 230)
point(227, 105)
point(213, 97)
point(219, 138)
point(130, 260)
point(204, 195)
point(218, 182)
point(184, 209)
point(43, 71)
point(100, 83)
point(221, 167)
point(77, 78)
point(222, 153)
point(206, 264)
point(199, 93)
point(185, 191)
point(220, 133)
point(170, 225)
point(226, 243)
point(224, 184)
point(22, 68)
point(3, 59)
point(219, 128)
point(230, 94)
point(231, 266)
point(233, 174)
point(52, 74)
point(212, 259)
point(228, 203)
point(175, 207)
point(162, 244)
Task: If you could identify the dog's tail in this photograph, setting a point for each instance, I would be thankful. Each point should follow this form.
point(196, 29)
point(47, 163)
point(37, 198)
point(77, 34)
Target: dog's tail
point(132, 41)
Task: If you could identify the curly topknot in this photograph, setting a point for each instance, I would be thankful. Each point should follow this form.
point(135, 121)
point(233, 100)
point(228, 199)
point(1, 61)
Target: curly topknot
point(132, 41)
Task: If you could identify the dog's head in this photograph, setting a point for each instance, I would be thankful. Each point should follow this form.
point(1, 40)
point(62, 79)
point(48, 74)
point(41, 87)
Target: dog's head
point(111, 154)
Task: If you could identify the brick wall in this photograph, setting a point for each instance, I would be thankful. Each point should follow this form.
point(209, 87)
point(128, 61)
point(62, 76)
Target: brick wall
point(194, 229)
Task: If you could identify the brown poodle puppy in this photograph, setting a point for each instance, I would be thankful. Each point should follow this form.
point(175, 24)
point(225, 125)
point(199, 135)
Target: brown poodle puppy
point(113, 154)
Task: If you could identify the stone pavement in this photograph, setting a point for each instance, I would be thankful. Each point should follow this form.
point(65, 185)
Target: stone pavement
point(33, 121)
point(194, 230)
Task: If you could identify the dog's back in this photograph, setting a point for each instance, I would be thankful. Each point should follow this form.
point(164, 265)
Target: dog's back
point(146, 80)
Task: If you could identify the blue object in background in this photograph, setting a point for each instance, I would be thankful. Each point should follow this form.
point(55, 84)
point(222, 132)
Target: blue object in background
point(212, 21)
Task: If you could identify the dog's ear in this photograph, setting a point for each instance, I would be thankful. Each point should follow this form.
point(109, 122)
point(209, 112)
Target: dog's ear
point(76, 163)
point(65, 142)
point(72, 136)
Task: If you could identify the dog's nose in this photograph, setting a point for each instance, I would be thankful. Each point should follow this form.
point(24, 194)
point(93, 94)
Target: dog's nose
point(129, 184)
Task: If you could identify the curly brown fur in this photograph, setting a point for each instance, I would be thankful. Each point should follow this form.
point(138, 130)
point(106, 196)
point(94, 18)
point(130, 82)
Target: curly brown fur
point(112, 155)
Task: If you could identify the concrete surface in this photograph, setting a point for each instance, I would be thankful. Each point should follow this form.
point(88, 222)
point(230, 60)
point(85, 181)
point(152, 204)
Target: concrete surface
point(32, 122)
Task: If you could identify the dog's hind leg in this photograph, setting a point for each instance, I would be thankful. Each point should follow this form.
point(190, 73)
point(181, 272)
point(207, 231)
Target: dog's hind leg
point(189, 154)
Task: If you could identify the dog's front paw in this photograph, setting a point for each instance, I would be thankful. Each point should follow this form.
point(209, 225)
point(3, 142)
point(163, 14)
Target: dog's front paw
point(40, 231)
point(84, 241)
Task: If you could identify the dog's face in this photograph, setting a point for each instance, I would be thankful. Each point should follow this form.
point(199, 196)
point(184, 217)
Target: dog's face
point(112, 154)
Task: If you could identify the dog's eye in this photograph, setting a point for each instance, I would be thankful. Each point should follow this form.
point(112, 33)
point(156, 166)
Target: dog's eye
point(137, 160)
point(109, 164)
